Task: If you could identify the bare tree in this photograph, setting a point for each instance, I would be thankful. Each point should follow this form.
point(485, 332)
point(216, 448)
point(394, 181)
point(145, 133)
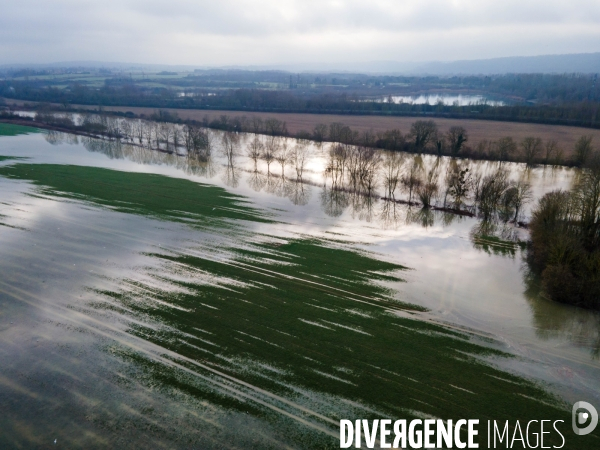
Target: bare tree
point(457, 136)
point(255, 150)
point(320, 132)
point(532, 147)
point(551, 149)
point(459, 183)
point(423, 132)
point(411, 178)
point(392, 172)
point(275, 127)
point(231, 142)
point(522, 195)
point(299, 155)
point(197, 142)
point(428, 187)
point(283, 155)
point(506, 148)
point(127, 130)
point(270, 150)
point(176, 138)
point(393, 140)
point(338, 156)
point(583, 150)
point(257, 125)
point(139, 130)
point(165, 134)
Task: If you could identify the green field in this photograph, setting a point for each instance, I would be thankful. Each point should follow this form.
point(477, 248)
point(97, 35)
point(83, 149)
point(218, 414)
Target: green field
point(299, 333)
point(8, 129)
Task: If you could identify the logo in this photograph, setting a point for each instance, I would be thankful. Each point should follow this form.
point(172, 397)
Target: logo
point(584, 413)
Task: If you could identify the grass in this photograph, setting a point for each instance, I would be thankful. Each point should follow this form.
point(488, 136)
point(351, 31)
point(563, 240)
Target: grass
point(11, 158)
point(8, 129)
point(299, 333)
point(148, 194)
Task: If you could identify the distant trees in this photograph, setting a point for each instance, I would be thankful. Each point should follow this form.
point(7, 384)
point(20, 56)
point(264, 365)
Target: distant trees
point(423, 137)
point(230, 149)
point(507, 147)
point(423, 132)
point(411, 179)
point(428, 186)
point(583, 149)
point(532, 147)
point(270, 150)
point(197, 141)
point(255, 149)
point(299, 156)
point(283, 155)
point(391, 140)
point(552, 152)
point(320, 132)
point(392, 172)
point(457, 137)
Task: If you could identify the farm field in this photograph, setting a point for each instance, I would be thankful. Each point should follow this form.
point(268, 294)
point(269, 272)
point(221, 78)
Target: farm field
point(191, 302)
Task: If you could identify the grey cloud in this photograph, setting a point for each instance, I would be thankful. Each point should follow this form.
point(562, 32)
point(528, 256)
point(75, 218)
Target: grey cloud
point(271, 31)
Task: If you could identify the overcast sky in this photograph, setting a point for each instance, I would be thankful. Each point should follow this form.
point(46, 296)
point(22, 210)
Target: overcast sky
point(270, 32)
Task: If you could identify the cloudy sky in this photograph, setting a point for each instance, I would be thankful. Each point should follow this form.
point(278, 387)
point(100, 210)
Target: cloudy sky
point(271, 32)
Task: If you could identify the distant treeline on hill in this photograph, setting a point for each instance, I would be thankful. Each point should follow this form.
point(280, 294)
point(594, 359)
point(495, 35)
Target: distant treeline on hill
point(585, 112)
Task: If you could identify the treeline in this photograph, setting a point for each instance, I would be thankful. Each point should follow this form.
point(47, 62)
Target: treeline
point(162, 135)
point(424, 136)
point(565, 240)
point(430, 184)
point(354, 164)
point(584, 112)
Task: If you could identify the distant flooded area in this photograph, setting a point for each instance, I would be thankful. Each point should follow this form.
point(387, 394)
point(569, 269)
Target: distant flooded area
point(444, 99)
point(182, 296)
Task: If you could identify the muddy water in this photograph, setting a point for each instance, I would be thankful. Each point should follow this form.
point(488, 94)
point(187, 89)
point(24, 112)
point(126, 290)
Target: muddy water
point(58, 347)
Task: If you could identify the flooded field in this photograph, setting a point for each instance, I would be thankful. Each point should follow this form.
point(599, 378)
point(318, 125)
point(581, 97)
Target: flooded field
point(150, 299)
point(446, 99)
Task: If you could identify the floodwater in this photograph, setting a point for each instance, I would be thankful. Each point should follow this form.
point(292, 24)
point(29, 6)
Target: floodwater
point(93, 349)
point(446, 99)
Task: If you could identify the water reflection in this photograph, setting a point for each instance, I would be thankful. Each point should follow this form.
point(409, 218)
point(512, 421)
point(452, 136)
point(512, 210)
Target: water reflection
point(334, 201)
point(352, 177)
point(375, 188)
point(466, 271)
point(553, 320)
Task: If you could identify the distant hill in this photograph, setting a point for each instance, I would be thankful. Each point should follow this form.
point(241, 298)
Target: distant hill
point(569, 63)
point(573, 63)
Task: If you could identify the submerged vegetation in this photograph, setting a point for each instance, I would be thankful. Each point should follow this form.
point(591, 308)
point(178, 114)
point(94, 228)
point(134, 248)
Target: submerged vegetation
point(297, 333)
point(149, 194)
point(9, 129)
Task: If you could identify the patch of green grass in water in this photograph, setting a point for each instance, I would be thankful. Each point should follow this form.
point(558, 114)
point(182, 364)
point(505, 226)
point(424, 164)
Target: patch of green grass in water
point(141, 193)
point(11, 158)
point(311, 332)
point(9, 129)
